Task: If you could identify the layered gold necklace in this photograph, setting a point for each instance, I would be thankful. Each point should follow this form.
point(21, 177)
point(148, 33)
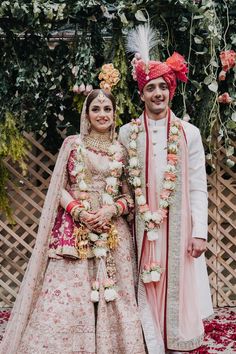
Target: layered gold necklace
point(98, 141)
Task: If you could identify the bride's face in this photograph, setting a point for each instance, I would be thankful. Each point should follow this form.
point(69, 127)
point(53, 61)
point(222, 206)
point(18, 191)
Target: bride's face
point(101, 114)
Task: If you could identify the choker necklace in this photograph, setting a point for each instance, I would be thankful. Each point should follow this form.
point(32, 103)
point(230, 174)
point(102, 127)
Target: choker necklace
point(98, 141)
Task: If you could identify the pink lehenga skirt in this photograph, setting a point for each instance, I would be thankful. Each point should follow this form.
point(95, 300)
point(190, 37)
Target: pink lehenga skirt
point(66, 321)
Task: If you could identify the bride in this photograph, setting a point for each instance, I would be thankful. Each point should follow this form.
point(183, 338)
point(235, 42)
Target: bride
point(78, 294)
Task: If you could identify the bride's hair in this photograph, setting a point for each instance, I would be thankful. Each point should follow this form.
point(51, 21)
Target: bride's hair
point(95, 93)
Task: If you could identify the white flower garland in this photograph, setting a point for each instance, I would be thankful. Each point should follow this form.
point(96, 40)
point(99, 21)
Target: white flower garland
point(100, 247)
point(153, 220)
point(112, 182)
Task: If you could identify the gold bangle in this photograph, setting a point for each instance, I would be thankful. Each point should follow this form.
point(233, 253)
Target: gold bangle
point(75, 213)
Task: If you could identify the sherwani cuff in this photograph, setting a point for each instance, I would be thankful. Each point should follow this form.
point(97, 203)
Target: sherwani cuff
point(199, 231)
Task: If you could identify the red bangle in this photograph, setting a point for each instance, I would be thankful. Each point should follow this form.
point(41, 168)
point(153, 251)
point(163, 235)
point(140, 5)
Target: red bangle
point(71, 205)
point(122, 205)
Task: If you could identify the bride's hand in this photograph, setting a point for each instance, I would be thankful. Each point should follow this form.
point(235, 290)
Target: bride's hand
point(85, 218)
point(101, 219)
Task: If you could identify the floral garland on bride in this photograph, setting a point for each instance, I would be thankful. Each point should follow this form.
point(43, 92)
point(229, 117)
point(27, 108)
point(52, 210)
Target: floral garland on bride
point(153, 220)
point(101, 241)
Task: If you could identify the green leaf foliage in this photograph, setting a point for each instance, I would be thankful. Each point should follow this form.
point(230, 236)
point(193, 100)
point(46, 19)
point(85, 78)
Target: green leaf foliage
point(47, 47)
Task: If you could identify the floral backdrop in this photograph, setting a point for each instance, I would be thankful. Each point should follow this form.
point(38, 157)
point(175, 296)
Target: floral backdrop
point(52, 52)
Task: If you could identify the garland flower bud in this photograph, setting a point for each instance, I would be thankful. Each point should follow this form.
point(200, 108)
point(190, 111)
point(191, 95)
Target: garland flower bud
point(133, 162)
point(136, 182)
point(83, 186)
point(141, 200)
point(132, 144)
point(92, 236)
point(111, 181)
point(174, 130)
point(107, 199)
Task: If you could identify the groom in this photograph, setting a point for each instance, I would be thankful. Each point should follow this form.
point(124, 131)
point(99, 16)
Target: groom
point(167, 171)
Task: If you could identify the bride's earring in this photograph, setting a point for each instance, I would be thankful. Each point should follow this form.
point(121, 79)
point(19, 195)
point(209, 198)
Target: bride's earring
point(88, 126)
point(112, 129)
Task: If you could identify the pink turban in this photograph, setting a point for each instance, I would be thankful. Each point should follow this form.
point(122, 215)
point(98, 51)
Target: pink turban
point(173, 68)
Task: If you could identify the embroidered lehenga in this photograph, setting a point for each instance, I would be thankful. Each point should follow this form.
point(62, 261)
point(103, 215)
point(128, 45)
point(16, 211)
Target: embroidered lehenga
point(54, 312)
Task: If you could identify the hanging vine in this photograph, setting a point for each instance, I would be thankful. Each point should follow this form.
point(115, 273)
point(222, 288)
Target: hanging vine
point(50, 48)
point(14, 147)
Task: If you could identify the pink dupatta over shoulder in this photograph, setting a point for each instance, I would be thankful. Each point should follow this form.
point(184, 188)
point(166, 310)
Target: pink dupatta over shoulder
point(33, 279)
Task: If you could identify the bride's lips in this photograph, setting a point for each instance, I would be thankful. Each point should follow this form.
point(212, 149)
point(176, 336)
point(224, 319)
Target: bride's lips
point(102, 121)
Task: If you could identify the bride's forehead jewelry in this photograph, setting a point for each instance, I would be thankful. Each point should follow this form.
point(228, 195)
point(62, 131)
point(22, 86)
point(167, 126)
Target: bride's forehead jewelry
point(101, 97)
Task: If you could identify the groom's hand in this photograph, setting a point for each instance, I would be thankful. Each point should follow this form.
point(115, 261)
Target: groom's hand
point(196, 247)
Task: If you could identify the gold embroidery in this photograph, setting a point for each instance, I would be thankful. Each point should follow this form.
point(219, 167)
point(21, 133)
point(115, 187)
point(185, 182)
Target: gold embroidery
point(81, 241)
point(112, 240)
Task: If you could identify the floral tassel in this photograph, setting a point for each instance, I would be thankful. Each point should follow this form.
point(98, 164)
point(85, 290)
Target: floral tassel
point(151, 273)
point(95, 291)
point(110, 293)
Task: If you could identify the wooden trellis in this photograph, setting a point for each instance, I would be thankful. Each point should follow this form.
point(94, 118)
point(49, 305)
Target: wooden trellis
point(27, 195)
point(221, 254)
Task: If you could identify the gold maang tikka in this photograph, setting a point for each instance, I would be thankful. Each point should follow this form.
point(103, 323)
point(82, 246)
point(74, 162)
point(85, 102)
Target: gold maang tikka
point(101, 97)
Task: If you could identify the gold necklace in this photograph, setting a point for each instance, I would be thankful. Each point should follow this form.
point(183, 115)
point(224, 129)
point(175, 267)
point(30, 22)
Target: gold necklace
point(98, 141)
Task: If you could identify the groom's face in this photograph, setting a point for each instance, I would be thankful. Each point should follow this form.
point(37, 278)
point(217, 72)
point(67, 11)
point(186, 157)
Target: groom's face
point(156, 97)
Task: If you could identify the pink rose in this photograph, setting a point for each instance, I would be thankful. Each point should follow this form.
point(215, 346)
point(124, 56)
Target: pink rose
point(170, 176)
point(110, 190)
point(132, 153)
point(133, 136)
point(143, 208)
point(108, 283)
point(222, 75)
point(95, 284)
point(173, 138)
point(172, 159)
point(135, 172)
point(154, 264)
point(115, 173)
point(165, 194)
point(88, 89)
point(138, 191)
point(146, 267)
point(81, 88)
point(228, 59)
point(163, 213)
point(151, 225)
point(100, 243)
point(225, 98)
point(177, 124)
point(75, 89)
